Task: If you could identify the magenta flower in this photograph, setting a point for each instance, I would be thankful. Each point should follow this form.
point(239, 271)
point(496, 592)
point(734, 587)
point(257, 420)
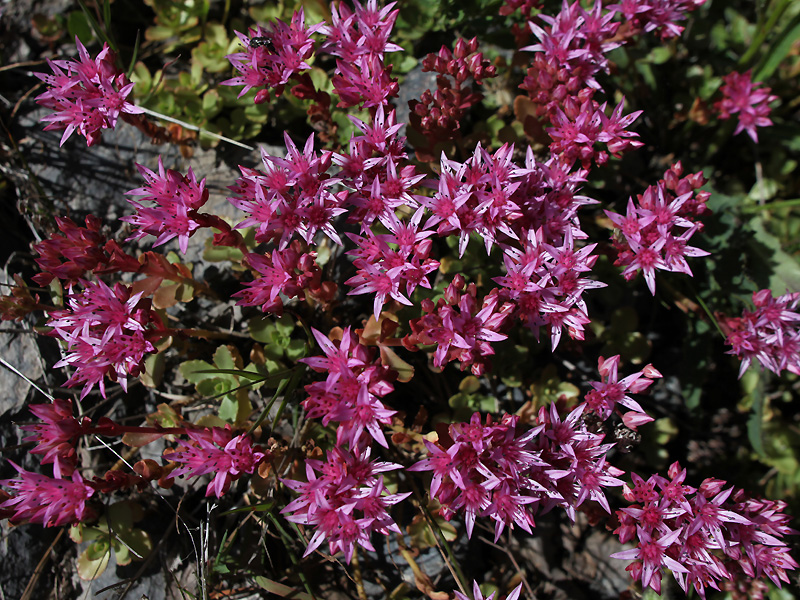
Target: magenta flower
point(770, 333)
point(55, 435)
point(461, 328)
point(176, 200)
point(365, 31)
point(350, 394)
point(216, 451)
point(291, 197)
point(270, 65)
point(610, 392)
point(68, 255)
point(50, 502)
point(502, 471)
point(705, 535)
point(108, 332)
point(740, 95)
point(290, 272)
point(478, 595)
point(652, 556)
point(360, 40)
point(344, 501)
point(657, 15)
point(648, 238)
point(87, 95)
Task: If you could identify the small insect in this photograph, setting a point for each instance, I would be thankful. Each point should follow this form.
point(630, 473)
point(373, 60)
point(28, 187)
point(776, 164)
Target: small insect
point(627, 439)
point(262, 42)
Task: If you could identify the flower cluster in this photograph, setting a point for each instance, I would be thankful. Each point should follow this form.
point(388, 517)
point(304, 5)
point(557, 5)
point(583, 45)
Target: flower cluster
point(740, 95)
point(705, 535)
point(578, 128)
point(290, 198)
point(345, 500)
point(51, 502)
point(216, 451)
point(87, 95)
point(460, 327)
point(176, 199)
point(290, 272)
point(388, 264)
point(661, 16)
point(108, 332)
point(359, 40)
point(769, 334)
point(350, 394)
point(478, 595)
point(570, 52)
point(502, 471)
point(272, 56)
point(375, 172)
point(611, 391)
point(55, 435)
point(73, 252)
point(647, 237)
point(438, 115)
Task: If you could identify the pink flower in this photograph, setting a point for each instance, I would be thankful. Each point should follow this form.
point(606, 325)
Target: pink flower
point(769, 334)
point(216, 451)
point(291, 198)
point(657, 15)
point(50, 502)
point(461, 328)
point(176, 200)
point(705, 535)
point(647, 237)
point(350, 393)
point(505, 472)
point(365, 31)
point(360, 40)
point(750, 100)
point(108, 333)
point(71, 253)
point(271, 64)
point(652, 557)
point(55, 435)
point(478, 595)
point(290, 272)
point(87, 94)
point(610, 392)
point(344, 501)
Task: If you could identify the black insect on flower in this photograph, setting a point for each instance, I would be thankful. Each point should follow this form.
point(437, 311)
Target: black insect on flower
point(262, 42)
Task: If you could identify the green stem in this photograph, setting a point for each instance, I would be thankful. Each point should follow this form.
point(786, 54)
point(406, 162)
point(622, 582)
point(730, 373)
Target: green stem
point(466, 589)
point(288, 541)
point(764, 31)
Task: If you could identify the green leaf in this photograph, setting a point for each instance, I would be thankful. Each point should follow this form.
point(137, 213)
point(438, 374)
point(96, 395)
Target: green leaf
point(264, 506)
point(195, 371)
point(223, 358)
point(251, 375)
point(659, 55)
point(78, 25)
point(262, 329)
point(779, 49)
point(784, 269)
point(138, 542)
point(285, 325)
point(753, 386)
point(90, 567)
point(213, 253)
point(296, 350)
point(228, 409)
